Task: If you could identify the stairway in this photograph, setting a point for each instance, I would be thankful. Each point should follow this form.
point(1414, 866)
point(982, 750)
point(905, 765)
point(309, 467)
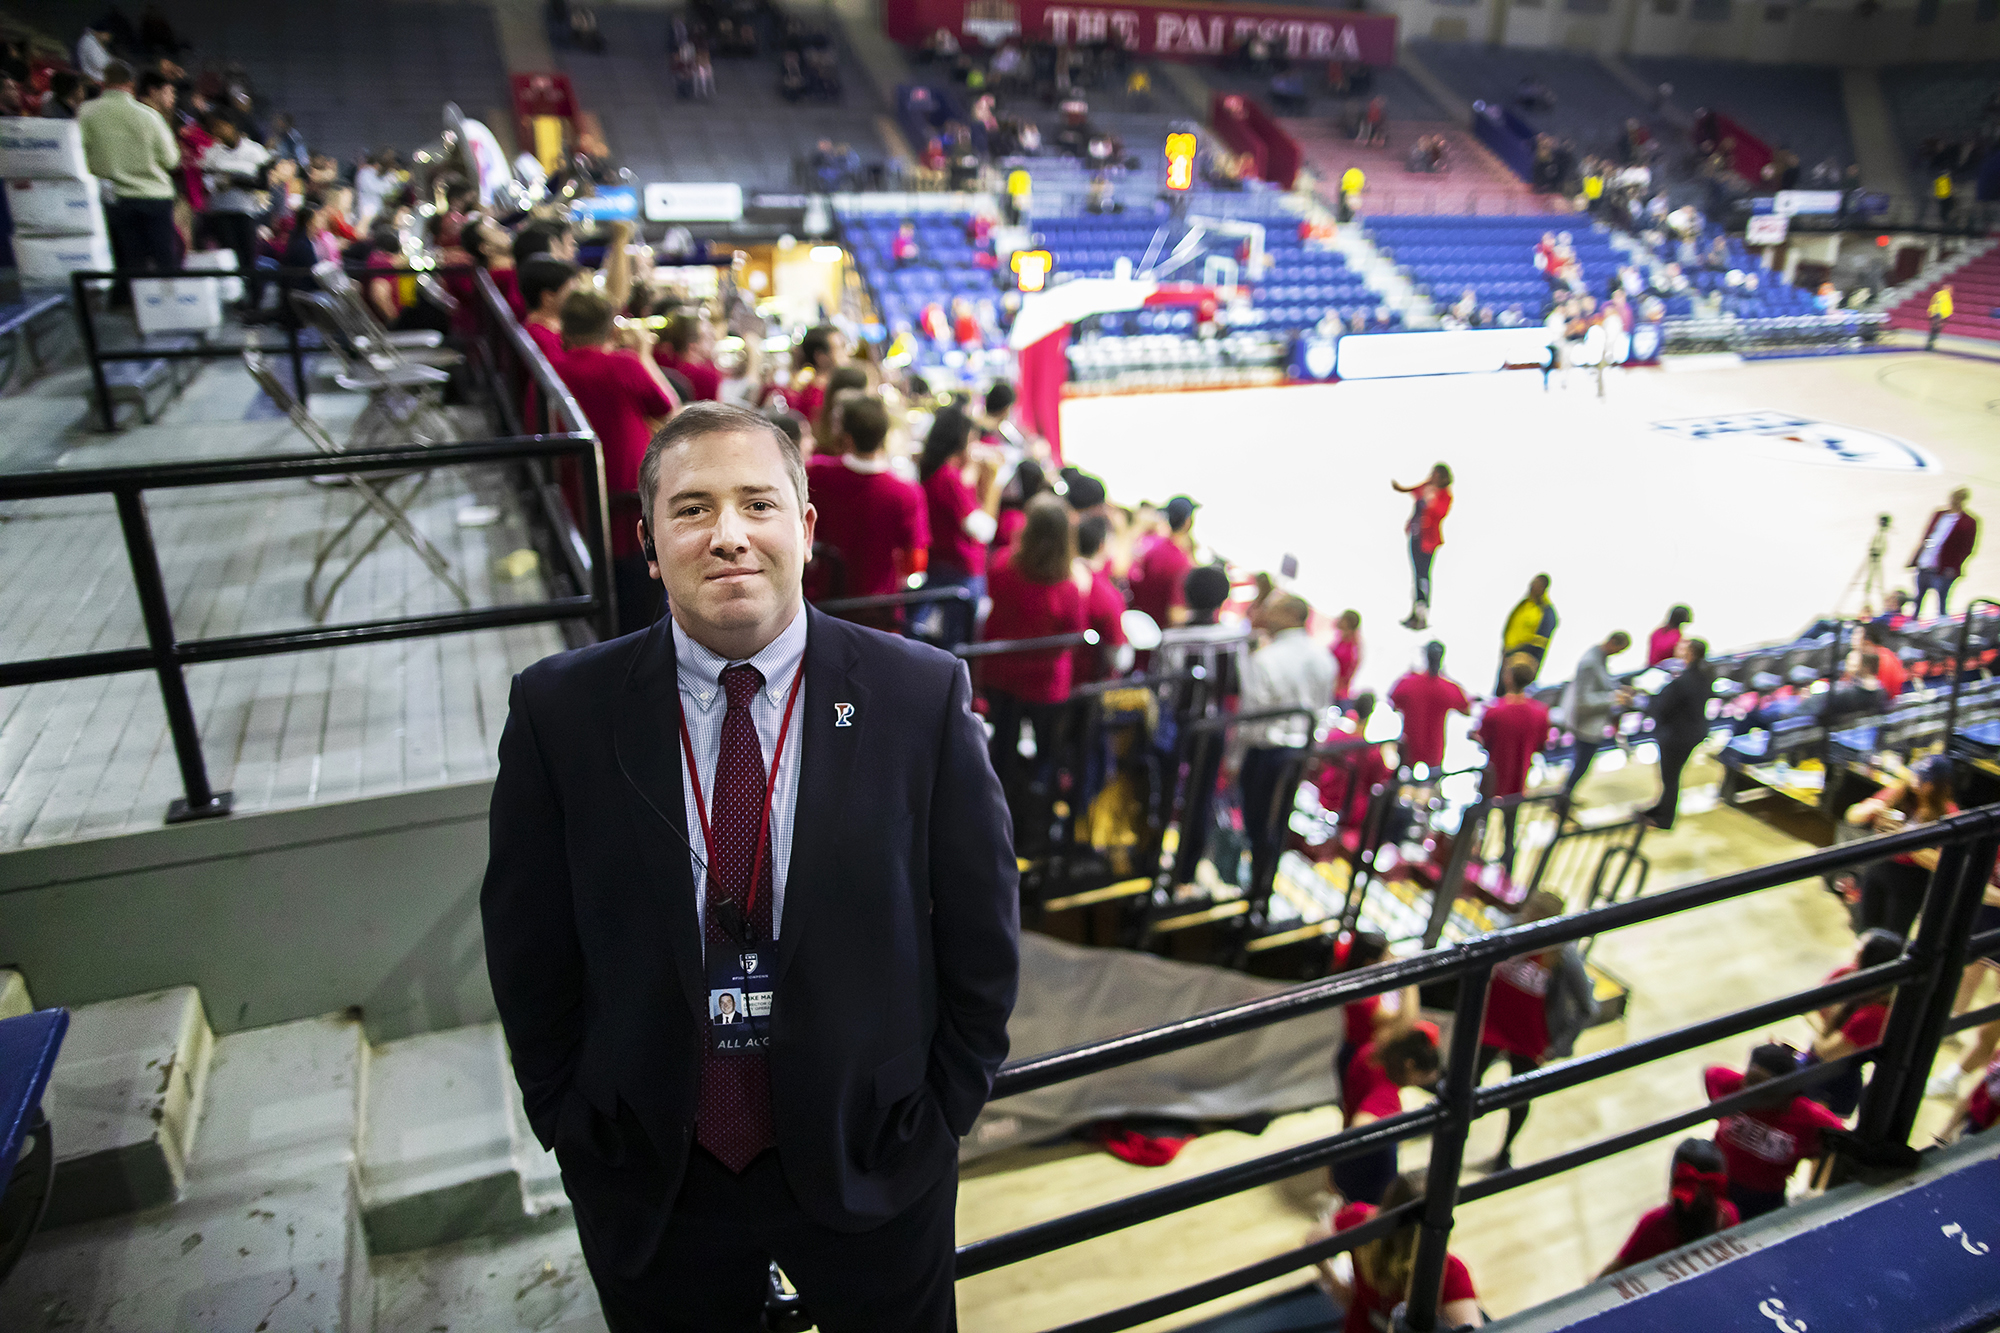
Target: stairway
point(291, 1177)
point(1975, 290)
point(1478, 182)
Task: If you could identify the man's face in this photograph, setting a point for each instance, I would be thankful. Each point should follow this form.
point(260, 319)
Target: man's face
point(162, 99)
point(731, 537)
point(564, 247)
point(227, 132)
point(1538, 588)
point(551, 306)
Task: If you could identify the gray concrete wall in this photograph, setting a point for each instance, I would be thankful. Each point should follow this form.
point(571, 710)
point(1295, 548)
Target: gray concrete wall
point(275, 916)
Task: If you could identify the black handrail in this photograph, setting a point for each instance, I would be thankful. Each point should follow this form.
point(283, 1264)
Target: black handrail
point(168, 656)
point(1045, 643)
point(882, 601)
point(1925, 977)
point(1958, 667)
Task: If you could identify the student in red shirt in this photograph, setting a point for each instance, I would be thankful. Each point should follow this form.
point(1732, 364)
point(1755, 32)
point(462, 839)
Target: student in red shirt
point(1855, 1025)
point(687, 348)
point(1425, 699)
point(1346, 654)
point(1349, 779)
point(962, 495)
point(1892, 890)
point(1040, 589)
point(1662, 642)
point(873, 519)
point(1373, 1020)
point(1425, 530)
point(1518, 1022)
point(1889, 668)
point(1765, 1144)
point(1370, 1090)
point(820, 350)
point(1158, 576)
point(1514, 728)
point(1697, 1206)
point(1028, 482)
point(619, 389)
point(1383, 1268)
point(1106, 605)
point(545, 282)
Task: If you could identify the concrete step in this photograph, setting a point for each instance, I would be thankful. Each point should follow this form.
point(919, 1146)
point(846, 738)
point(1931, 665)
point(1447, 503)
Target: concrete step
point(123, 1101)
point(446, 1152)
point(267, 1231)
point(478, 1286)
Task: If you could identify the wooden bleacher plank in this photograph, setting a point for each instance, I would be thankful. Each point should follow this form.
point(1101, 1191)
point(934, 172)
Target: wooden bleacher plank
point(1219, 912)
point(1124, 888)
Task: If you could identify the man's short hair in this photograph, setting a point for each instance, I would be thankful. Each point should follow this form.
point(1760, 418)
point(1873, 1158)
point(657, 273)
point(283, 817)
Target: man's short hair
point(117, 74)
point(586, 318)
point(537, 238)
point(1294, 609)
point(541, 275)
point(699, 419)
point(680, 330)
point(1520, 675)
point(151, 82)
point(1621, 638)
point(1206, 588)
point(865, 423)
point(1414, 1052)
point(816, 342)
point(1000, 399)
point(1090, 535)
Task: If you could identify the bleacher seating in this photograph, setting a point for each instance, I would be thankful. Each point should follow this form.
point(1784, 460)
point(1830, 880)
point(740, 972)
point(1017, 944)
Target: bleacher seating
point(1591, 106)
point(1937, 101)
point(1772, 298)
point(1495, 256)
point(1975, 292)
point(1799, 107)
point(1299, 288)
point(1403, 97)
point(746, 133)
point(371, 74)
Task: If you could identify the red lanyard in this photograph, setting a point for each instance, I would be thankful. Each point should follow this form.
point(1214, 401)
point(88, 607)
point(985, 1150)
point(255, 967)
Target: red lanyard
point(770, 790)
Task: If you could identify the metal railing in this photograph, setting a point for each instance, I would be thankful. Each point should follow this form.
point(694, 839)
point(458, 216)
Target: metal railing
point(1925, 977)
point(168, 655)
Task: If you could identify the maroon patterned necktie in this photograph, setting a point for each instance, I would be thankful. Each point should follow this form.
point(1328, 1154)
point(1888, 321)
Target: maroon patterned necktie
point(733, 1116)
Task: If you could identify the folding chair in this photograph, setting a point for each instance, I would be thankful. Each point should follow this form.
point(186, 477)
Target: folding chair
point(366, 331)
point(403, 405)
point(375, 496)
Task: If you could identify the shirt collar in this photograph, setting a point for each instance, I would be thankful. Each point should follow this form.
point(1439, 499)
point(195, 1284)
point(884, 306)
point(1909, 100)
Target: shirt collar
point(700, 669)
point(872, 464)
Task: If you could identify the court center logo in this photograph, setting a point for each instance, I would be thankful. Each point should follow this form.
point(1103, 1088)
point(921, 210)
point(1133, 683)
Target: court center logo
point(1797, 439)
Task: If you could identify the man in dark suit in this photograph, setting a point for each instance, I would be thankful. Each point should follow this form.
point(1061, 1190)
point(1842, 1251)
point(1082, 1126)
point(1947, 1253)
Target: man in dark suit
point(751, 796)
point(1943, 550)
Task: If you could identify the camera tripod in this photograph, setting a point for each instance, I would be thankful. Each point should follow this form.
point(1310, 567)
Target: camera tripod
point(1873, 584)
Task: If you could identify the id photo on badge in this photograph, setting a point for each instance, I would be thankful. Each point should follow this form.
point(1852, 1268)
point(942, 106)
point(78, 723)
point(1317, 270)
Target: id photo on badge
point(726, 1006)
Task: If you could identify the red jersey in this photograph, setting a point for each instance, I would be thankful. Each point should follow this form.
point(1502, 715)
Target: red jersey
point(617, 396)
point(1105, 606)
point(1763, 1148)
point(806, 401)
point(1366, 1088)
point(1656, 1233)
point(1982, 1108)
point(867, 516)
point(1159, 580)
point(1661, 645)
point(1346, 661)
point(703, 379)
point(1007, 527)
point(1427, 518)
point(1424, 701)
point(1513, 732)
point(508, 281)
point(1889, 669)
point(948, 500)
point(1517, 1009)
point(1345, 783)
point(550, 341)
point(1026, 610)
point(1372, 1309)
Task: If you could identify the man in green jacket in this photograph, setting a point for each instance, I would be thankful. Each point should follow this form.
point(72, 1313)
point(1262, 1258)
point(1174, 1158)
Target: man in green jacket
point(1529, 627)
point(129, 146)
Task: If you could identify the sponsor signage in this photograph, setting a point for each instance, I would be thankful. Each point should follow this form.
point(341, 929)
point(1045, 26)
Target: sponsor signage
point(1458, 352)
point(612, 205)
point(706, 202)
point(1767, 229)
point(1157, 29)
point(1791, 202)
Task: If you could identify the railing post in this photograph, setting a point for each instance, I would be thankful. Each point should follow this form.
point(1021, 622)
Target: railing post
point(87, 326)
point(1461, 1081)
point(299, 385)
point(1923, 1006)
point(200, 802)
point(596, 539)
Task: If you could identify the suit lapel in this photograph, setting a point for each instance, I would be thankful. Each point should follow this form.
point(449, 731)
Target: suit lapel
point(646, 736)
point(826, 763)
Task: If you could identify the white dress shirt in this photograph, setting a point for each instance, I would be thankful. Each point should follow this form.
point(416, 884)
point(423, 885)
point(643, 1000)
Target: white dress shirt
point(704, 704)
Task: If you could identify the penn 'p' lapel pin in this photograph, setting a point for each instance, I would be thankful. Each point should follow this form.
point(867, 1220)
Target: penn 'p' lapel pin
point(843, 715)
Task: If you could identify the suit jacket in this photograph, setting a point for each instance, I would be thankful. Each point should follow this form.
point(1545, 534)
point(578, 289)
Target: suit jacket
point(1957, 548)
point(1680, 709)
point(896, 959)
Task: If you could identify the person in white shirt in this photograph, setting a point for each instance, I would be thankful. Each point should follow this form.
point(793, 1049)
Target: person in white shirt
point(93, 53)
point(1291, 671)
point(234, 166)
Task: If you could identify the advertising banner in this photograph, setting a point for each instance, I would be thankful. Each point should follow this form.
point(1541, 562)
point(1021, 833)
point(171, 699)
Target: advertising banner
point(1155, 27)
